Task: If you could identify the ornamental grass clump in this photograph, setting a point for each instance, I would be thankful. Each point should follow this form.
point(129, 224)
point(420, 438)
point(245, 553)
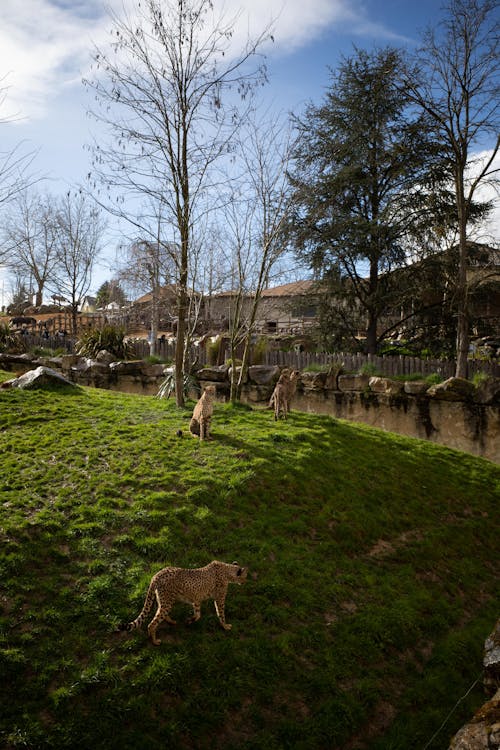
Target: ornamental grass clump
point(108, 338)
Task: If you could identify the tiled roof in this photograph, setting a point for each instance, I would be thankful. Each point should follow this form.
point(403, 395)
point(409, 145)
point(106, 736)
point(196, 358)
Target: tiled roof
point(290, 290)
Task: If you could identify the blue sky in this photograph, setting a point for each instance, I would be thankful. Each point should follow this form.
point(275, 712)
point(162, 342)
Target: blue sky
point(45, 49)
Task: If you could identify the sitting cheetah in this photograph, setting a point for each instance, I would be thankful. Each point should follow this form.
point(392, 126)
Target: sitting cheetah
point(202, 414)
point(187, 585)
point(283, 392)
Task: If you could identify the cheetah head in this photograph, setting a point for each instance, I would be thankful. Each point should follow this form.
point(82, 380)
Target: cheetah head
point(238, 574)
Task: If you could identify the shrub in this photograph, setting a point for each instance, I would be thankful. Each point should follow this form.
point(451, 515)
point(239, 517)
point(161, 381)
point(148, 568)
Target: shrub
point(9, 341)
point(213, 348)
point(259, 350)
point(108, 338)
point(369, 369)
point(167, 388)
point(434, 378)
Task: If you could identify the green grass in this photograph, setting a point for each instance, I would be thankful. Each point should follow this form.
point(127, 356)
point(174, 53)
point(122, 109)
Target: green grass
point(371, 585)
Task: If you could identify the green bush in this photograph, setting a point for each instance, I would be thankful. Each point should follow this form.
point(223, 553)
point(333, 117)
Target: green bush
point(108, 338)
point(9, 341)
point(259, 350)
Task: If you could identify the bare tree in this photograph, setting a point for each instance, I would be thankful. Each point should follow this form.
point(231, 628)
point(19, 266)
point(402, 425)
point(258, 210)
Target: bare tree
point(31, 239)
point(80, 229)
point(255, 219)
point(14, 164)
point(148, 266)
point(168, 91)
point(456, 82)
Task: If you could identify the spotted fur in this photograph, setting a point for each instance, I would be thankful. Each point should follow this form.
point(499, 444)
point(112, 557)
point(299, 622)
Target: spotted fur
point(202, 414)
point(283, 393)
point(191, 585)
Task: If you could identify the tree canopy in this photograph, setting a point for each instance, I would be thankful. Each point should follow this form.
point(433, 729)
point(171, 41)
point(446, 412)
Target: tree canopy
point(364, 165)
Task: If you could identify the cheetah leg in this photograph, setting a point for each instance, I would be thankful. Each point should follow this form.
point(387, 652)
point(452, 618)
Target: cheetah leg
point(220, 609)
point(196, 613)
point(204, 429)
point(162, 615)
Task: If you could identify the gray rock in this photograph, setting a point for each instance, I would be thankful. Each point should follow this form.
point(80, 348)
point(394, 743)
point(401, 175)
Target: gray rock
point(491, 659)
point(385, 385)
point(216, 374)
point(313, 381)
point(488, 392)
point(263, 374)
point(105, 357)
point(40, 378)
point(415, 387)
point(353, 382)
point(453, 389)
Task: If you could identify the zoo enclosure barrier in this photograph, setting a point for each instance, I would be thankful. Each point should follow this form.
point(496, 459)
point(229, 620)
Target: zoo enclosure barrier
point(389, 366)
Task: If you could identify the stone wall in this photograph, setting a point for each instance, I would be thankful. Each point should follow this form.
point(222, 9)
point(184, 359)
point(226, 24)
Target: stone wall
point(453, 413)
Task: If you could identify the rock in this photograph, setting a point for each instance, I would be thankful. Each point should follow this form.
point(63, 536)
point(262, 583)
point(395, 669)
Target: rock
point(332, 376)
point(238, 370)
point(488, 392)
point(353, 382)
point(68, 361)
point(40, 378)
point(130, 367)
point(415, 387)
point(215, 374)
point(491, 660)
point(15, 361)
point(105, 357)
point(385, 385)
point(263, 374)
point(471, 737)
point(481, 733)
point(453, 389)
point(313, 381)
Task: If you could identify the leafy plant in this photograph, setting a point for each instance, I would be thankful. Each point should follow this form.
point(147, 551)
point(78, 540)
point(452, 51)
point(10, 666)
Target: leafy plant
point(369, 369)
point(190, 384)
point(434, 378)
point(9, 341)
point(259, 350)
point(109, 338)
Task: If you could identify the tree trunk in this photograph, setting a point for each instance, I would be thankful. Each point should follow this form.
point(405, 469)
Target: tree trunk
point(153, 332)
point(461, 370)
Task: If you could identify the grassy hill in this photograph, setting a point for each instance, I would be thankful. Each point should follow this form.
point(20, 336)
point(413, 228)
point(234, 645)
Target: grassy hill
point(372, 578)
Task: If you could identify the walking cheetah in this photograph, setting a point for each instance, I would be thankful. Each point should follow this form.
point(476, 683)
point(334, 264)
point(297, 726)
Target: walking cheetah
point(187, 585)
point(202, 414)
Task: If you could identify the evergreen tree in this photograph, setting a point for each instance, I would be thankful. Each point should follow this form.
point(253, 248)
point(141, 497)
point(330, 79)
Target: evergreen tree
point(365, 166)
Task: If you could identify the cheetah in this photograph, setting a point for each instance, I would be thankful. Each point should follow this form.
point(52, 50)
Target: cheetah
point(191, 585)
point(202, 414)
point(283, 393)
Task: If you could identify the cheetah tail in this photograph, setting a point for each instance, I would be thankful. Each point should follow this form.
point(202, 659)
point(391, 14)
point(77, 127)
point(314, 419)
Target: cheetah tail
point(139, 620)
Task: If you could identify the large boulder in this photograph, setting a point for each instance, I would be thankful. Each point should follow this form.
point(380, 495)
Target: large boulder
point(453, 389)
point(488, 391)
point(385, 386)
point(313, 381)
point(215, 374)
point(483, 730)
point(263, 374)
point(42, 377)
point(353, 382)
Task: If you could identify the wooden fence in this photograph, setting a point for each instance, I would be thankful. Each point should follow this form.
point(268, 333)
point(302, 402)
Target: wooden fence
point(390, 365)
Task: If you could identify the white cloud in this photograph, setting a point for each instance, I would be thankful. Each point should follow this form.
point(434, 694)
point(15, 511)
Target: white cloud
point(42, 46)
point(45, 44)
point(489, 231)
